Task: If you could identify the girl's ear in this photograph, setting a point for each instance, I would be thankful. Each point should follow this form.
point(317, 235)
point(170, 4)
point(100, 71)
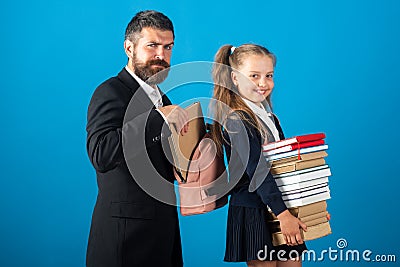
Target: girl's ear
point(234, 78)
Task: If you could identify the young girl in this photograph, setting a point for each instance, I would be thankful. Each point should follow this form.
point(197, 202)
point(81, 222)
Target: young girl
point(243, 79)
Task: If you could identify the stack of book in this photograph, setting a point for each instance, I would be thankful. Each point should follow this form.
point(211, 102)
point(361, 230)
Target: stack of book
point(314, 215)
point(301, 173)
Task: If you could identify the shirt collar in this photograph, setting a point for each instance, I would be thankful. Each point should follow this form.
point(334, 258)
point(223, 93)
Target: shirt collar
point(264, 116)
point(147, 88)
point(257, 109)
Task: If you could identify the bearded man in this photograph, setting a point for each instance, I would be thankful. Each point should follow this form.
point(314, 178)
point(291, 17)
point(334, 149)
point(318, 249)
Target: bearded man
point(129, 226)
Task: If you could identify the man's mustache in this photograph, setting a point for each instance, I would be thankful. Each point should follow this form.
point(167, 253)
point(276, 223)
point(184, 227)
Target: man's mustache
point(158, 62)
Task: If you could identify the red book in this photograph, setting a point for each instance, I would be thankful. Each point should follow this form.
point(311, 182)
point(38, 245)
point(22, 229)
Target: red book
point(294, 140)
point(293, 147)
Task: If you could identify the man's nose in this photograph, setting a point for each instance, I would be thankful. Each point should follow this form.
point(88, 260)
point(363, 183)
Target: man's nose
point(160, 53)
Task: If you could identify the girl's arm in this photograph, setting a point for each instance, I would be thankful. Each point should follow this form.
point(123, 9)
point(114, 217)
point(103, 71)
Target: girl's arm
point(246, 147)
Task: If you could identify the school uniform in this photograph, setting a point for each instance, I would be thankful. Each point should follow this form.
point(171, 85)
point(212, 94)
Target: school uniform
point(247, 229)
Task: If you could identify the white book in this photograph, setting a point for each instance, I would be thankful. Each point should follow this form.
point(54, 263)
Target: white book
point(296, 152)
point(303, 185)
point(286, 174)
point(306, 192)
point(307, 200)
point(293, 179)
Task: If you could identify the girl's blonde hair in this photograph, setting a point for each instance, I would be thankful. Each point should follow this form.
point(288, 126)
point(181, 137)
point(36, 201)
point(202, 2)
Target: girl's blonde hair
point(226, 95)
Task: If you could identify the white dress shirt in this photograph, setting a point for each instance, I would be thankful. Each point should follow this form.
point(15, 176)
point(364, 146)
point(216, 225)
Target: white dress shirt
point(264, 116)
point(152, 93)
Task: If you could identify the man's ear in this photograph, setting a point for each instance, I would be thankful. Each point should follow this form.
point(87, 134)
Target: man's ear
point(128, 47)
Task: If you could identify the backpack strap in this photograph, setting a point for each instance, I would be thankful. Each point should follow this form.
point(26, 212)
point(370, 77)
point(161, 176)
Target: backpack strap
point(179, 173)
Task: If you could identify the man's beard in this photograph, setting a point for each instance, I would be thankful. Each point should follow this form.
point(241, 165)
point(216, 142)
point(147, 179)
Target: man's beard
point(149, 74)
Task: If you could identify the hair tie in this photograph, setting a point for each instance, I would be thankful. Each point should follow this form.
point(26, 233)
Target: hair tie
point(232, 49)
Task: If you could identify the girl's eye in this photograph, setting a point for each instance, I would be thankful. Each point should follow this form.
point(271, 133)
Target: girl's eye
point(254, 76)
point(270, 76)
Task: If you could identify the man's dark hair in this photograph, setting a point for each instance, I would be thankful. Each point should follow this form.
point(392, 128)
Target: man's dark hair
point(150, 19)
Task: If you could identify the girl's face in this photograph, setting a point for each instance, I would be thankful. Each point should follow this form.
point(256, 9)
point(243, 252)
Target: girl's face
point(255, 80)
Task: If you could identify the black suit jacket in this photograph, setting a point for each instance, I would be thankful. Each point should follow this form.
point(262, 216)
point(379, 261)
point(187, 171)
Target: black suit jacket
point(129, 227)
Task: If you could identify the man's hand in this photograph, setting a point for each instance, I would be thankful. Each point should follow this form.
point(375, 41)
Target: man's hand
point(176, 116)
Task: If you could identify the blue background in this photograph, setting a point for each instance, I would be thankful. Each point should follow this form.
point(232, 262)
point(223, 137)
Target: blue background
point(337, 72)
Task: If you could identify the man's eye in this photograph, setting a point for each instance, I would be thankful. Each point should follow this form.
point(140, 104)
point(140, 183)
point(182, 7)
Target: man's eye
point(270, 76)
point(152, 45)
point(168, 47)
point(254, 76)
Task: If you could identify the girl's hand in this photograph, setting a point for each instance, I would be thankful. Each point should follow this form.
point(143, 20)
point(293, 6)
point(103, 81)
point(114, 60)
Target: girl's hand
point(290, 227)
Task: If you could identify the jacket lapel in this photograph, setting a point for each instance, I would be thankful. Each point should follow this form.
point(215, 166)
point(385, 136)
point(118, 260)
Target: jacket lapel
point(135, 88)
point(138, 91)
point(165, 99)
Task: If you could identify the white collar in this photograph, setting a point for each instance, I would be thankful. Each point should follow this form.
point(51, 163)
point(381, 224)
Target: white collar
point(265, 116)
point(153, 94)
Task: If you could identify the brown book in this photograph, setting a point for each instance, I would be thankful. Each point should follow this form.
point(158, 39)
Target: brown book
point(321, 214)
point(309, 209)
point(316, 221)
point(296, 165)
point(183, 146)
point(271, 217)
point(303, 211)
point(274, 226)
point(278, 239)
point(307, 156)
point(313, 232)
point(317, 231)
point(311, 220)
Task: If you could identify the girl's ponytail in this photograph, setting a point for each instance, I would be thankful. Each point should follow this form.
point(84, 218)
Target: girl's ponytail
point(222, 95)
point(222, 67)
